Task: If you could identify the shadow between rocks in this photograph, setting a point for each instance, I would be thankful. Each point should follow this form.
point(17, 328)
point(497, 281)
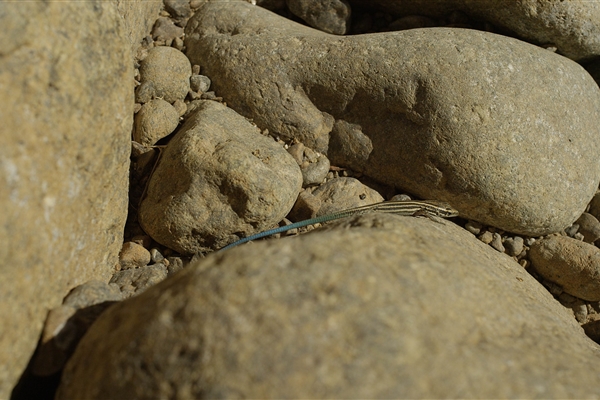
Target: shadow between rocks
point(41, 378)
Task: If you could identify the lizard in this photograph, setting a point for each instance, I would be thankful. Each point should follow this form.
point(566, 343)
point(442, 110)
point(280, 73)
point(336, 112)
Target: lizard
point(428, 208)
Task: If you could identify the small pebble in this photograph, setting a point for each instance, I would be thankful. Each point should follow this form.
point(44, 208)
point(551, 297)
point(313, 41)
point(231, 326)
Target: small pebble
point(145, 92)
point(178, 8)
point(572, 230)
point(209, 96)
point(297, 151)
point(194, 95)
point(496, 242)
point(592, 329)
point(156, 256)
point(136, 280)
point(553, 288)
point(315, 172)
point(178, 44)
point(311, 155)
point(566, 299)
point(200, 83)
point(486, 237)
point(573, 264)
point(155, 120)
point(90, 293)
point(175, 264)
point(513, 245)
point(133, 255)
point(523, 253)
point(306, 207)
point(473, 227)
point(180, 107)
point(142, 52)
point(401, 197)
point(164, 29)
point(291, 232)
point(589, 227)
point(143, 240)
point(580, 311)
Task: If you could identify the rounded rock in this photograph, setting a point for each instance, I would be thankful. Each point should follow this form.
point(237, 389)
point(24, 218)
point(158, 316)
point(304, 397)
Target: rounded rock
point(344, 193)
point(381, 306)
point(218, 180)
point(133, 255)
point(155, 120)
point(450, 114)
point(589, 227)
point(200, 83)
point(572, 264)
point(169, 70)
point(315, 172)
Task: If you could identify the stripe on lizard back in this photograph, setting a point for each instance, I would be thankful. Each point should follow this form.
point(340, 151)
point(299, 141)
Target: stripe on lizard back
point(408, 208)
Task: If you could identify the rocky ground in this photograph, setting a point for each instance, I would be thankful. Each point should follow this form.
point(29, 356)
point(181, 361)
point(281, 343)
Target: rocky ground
point(250, 115)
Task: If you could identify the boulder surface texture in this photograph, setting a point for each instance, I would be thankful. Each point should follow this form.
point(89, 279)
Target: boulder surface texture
point(218, 180)
point(491, 124)
point(66, 112)
point(394, 307)
point(572, 26)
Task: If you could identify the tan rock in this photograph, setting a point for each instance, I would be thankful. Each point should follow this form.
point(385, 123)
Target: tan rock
point(135, 280)
point(331, 16)
point(380, 306)
point(167, 71)
point(218, 179)
point(306, 207)
point(589, 227)
point(572, 264)
point(344, 193)
point(133, 255)
point(138, 17)
point(66, 74)
point(155, 120)
point(67, 323)
point(451, 114)
point(165, 29)
point(573, 26)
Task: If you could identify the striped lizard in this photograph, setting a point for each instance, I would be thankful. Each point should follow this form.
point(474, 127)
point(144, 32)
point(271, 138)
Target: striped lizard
point(428, 208)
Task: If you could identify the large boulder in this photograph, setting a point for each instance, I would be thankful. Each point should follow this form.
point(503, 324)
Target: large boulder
point(378, 306)
point(66, 76)
point(503, 130)
point(573, 26)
